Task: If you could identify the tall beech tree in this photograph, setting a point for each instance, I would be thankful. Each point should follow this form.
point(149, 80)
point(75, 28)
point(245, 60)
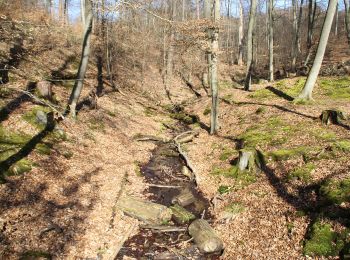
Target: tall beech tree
point(213, 34)
point(270, 23)
point(78, 85)
point(306, 93)
point(252, 16)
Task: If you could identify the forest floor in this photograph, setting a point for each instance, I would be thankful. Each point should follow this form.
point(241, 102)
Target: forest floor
point(60, 186)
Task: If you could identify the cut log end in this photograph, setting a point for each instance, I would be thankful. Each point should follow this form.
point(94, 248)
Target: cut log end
point(205, 237)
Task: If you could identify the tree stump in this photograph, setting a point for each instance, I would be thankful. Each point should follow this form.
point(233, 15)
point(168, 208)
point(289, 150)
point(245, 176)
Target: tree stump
point(249, 160)
point(204, 236)
point(44, 89)
point(145, 211)
point(332, 117)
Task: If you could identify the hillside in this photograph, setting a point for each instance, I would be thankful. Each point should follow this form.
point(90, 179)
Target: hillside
point(131, 174)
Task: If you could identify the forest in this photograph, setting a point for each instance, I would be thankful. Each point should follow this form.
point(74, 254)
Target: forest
point(174, 129)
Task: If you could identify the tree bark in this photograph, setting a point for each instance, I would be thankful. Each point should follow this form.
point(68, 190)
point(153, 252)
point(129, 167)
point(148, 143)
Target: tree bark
point(170, 54)
point(347, 19)
point(310, 29)
point(82, 10)
point(271, 17)
point(213, 69)
point(327, 26)
point(78, 86)
point(240, 34)
point(252, 16)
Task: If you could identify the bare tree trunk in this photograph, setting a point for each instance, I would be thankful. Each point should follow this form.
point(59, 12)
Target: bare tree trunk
point(270, 6)
point(327, 26)
point(213, 65)
point(197, 9)
point(252, 16)
point(347, 19)
point(170, 54)
point(295, 31)
point(296, 48)
point(78, 86)
point(310, 29)
point(336, 20)
point(240, 34)
point(207, 8)
point(65, 12)
point(82, 10)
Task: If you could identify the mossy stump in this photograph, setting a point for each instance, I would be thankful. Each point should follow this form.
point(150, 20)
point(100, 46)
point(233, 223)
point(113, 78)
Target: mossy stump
point(250, 160)
point(332, 117)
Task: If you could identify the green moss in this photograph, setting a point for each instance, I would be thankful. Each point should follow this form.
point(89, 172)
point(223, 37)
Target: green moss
point(181, 215)
point(32, 254)
point(225, 84)
point(184, 117)
point(227, 153)
point(336, 88)
point(285, 154)
point(18, 168)
point(235, 208)
point(342, 145)
point(96, 124)
point(323, 241)
point(273, 132)
point(224, 189)
point(262, 94)
point(243, 178)
point(325, 135)
point(302, 173)
point(228, 98)
point(336, 191)
point(260, 110)
point(44, 148)
point(285, 86)
point(206, 111)
point(149, 112)
point(137, 168)
point(67, 154)
point(31, 118)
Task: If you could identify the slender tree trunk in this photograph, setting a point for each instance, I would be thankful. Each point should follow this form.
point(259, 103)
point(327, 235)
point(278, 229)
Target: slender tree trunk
point(240, 34)
point(271, 3)
point(213, 65)
point(197, 9)
point(108, 58)
point(82, 10)
point(170, 53)
point(207, 8)
point(252, 16)
point(310, 29)
point(295, 31)
point(78, 86)
point(327, 26)
point(336, 20)
point(347, 19)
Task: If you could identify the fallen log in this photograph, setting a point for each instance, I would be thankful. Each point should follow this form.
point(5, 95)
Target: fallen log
point(145, 211)
point(184, 199)
point(204, 236)
point(181, 215)
point(163, 229)
point(185, 158)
